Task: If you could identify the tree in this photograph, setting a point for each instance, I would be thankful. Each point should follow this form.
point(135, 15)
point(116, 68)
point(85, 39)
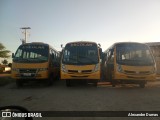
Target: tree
point(3, 52)
point(5, 62)
point(9, 64)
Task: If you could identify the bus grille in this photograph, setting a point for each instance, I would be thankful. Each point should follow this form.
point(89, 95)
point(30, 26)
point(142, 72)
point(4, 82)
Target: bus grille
point(136, 77)
point(27, 70)
point(135, 72)
point(79, 76)
point(80, 71)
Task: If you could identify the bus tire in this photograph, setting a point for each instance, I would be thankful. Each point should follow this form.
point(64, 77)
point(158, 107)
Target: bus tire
point(113, 83)
point(19, 83)
point(68, 83)
point(142, 85)
point(50, 81)
point(95, 84)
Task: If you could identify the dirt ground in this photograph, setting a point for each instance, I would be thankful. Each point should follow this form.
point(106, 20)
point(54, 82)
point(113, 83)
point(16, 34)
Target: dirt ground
point(37, 97)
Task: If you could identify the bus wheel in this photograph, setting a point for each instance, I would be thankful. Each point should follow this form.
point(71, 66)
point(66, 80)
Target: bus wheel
point(142, 84)
point(50, 81)
point(95, 84)
point(68, 83)
point(19, 83)
point(113, 84)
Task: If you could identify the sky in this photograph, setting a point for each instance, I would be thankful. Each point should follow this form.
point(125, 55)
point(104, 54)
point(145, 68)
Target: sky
point(57, 22)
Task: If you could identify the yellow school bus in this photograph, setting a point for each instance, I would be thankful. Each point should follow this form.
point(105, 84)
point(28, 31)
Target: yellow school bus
point(155, 48)
point(81, 61)
point(128, 62)
point(35, 61)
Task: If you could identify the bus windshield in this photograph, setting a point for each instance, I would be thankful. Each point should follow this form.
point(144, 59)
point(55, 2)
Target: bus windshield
point(133, 54)
point(31, 54)
point(80, 54)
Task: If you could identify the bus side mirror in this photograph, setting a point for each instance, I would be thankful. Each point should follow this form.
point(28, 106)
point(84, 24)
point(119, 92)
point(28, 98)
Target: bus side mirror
point(111, 51)
point(13, 55)
point(52, 56)
point(103, 56)
point(100, 52)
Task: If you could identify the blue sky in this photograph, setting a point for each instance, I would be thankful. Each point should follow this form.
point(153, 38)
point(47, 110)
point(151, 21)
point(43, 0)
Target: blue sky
point(60, 21)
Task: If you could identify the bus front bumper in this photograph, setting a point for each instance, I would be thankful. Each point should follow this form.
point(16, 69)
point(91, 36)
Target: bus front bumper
point(127, 77)
point(77, 76)
point(30, 76)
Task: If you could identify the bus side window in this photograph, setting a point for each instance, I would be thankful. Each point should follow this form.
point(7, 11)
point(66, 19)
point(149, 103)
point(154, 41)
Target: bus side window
point(19, 53)
point(111, 56)
point(52, 57)
point(104, 58)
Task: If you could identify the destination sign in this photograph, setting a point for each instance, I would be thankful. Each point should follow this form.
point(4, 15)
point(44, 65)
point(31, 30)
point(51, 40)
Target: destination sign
point(81, 44)
point(33, 47)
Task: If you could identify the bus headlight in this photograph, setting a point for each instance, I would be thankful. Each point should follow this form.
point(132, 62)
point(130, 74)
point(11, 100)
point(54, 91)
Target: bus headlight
point(119, 68)
point(63, 68)
point(96, 68)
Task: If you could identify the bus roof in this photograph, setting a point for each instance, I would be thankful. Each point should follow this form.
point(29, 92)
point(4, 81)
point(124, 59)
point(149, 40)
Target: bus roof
point(82, 42)
point(113, 45)
point(127, 42)
point(153, 43)
point(33, 43)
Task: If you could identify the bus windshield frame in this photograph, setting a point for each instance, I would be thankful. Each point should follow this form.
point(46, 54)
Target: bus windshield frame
point(31, 53)
point(80, 54)
point(134, 54)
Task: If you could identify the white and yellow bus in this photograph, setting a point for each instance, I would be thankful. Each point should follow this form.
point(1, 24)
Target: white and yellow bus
point(35, 61)
point(155, 48)
point(128, 62)
point(81, 61)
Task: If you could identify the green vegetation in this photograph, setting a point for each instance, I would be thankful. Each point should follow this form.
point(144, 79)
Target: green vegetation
point(5, 62)
point(3, 52)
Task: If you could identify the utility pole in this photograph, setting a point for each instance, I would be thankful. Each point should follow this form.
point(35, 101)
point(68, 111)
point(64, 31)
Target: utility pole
point(25, 34)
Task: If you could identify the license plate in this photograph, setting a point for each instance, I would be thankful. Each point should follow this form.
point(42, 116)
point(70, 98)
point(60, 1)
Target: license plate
point(27, 74)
